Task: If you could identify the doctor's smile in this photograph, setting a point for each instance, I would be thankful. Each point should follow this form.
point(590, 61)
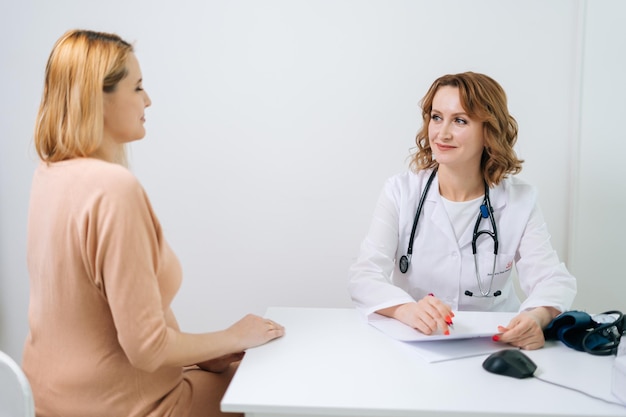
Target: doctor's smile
point(445, 147)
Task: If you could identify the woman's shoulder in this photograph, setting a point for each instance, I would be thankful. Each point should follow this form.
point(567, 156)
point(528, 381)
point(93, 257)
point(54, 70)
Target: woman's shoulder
point(116, 181)
point(90, 175)
point(106, 171)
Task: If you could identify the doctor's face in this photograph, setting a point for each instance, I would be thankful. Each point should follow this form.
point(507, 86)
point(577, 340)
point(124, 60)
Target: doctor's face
point(456, 139)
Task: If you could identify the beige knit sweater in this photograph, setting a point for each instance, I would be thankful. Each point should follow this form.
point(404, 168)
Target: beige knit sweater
point(102, 278)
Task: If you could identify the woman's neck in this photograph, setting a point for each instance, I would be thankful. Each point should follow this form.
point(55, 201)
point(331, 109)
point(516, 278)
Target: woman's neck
point(111, 152)
point(460, 187)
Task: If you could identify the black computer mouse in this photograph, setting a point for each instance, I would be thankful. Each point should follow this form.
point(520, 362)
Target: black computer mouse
point(510, 362)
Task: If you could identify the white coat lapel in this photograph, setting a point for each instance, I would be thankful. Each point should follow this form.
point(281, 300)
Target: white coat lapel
point(498, 198)
point(439, 217)
point(466, 237)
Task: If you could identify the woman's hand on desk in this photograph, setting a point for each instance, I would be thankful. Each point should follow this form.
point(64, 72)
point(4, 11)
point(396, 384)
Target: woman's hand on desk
point(426, 315)
point(526, 329)
point(253, 331)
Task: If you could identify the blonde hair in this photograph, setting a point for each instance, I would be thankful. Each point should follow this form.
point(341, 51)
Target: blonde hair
point(82, 66)
point(484, 100)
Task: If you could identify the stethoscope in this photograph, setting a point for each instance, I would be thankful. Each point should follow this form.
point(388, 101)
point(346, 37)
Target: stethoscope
point(486, 211)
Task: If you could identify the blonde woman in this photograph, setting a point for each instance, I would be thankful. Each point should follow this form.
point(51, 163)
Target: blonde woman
point(103, 339)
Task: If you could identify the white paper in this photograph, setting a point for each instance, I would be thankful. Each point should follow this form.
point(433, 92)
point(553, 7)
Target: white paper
point(470, 335)
point(445, 350)
point(467, 324)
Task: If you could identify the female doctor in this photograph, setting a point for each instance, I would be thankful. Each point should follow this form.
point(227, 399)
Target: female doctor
point(417, 263)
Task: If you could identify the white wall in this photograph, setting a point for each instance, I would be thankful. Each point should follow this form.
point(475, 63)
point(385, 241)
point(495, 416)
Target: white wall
point(598, 225)
point(274, 125)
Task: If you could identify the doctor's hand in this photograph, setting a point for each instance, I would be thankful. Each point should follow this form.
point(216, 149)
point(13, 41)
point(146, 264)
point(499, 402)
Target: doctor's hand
point(526, 329)
point(426, 315)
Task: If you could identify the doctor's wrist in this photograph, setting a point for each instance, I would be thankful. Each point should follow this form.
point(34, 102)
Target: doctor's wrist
point(543, 315)
point(390, 311)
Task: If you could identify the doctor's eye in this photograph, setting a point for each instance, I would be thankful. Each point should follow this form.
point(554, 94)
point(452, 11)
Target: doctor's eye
point(435, 117)
point(460, 121)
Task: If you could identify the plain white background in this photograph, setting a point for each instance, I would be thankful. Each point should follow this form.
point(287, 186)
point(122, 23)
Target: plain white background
point(275, 123)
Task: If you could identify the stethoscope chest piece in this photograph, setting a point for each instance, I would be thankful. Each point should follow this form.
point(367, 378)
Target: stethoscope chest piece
point(404, 263)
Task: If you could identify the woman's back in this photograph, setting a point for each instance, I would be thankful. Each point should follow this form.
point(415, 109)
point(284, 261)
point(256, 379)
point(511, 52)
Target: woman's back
point(92, 302)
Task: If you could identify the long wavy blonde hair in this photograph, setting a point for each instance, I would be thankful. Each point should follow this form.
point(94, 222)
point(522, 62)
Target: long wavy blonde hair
point(82, 66)
point(485, 101)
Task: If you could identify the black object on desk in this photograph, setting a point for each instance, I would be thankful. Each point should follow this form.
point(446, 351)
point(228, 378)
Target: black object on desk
point(510, 362)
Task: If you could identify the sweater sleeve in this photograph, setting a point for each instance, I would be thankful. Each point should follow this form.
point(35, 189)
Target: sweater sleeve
point(126, 248)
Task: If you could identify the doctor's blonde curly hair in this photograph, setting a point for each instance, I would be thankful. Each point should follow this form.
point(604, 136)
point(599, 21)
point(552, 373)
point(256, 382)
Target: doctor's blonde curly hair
point(485, 101)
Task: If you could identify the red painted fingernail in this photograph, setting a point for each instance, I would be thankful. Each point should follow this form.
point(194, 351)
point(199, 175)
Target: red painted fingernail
point(448, 319)
point(430, 294)
point(495, 338)
point(447, 332)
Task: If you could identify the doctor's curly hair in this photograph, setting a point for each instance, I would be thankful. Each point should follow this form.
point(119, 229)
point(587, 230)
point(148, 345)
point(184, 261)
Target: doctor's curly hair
point(484, 100)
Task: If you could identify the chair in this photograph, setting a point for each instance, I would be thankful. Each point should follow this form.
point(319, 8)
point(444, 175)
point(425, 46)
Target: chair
point(16, 397)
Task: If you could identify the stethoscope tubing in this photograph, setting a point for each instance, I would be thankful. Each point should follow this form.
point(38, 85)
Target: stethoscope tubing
point(419, 212)
point(486, 211)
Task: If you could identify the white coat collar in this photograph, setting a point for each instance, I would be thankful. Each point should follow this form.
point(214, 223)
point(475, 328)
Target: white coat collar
point(440, 217)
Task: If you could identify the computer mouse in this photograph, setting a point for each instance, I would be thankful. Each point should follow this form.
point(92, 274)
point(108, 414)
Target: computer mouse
point(510, 362)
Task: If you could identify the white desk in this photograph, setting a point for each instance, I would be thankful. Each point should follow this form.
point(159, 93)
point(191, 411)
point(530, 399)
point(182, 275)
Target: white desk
point(331, 363)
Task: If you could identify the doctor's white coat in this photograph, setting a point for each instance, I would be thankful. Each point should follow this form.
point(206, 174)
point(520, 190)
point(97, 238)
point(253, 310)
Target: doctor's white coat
point(444, 266)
